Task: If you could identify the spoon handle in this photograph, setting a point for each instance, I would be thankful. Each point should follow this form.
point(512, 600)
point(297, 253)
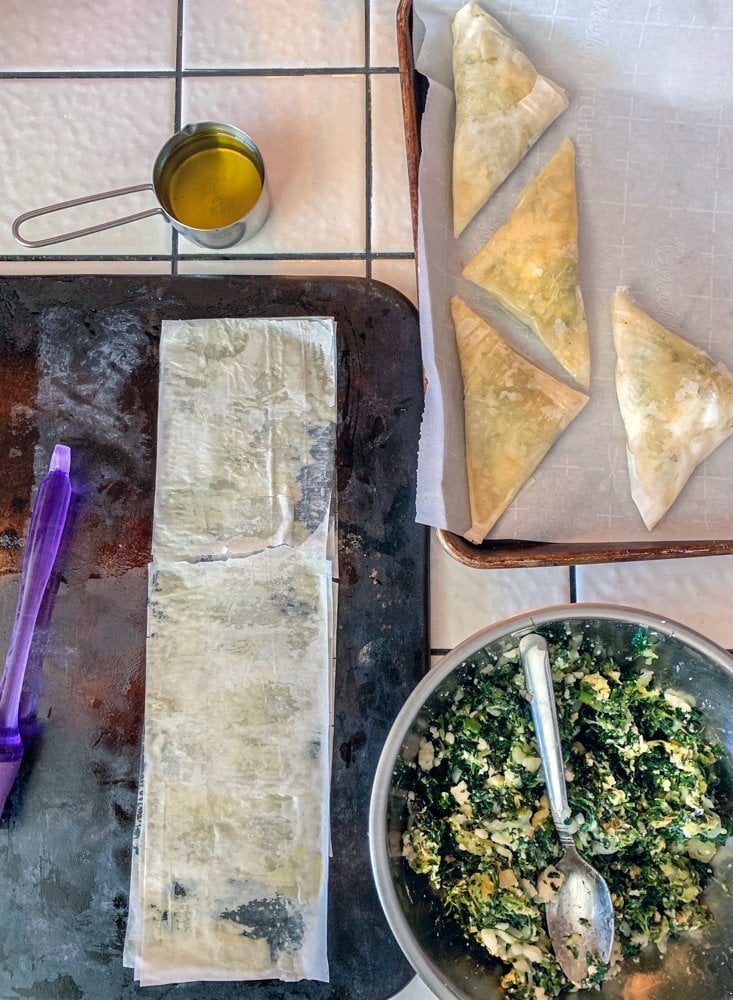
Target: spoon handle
point(536, 662)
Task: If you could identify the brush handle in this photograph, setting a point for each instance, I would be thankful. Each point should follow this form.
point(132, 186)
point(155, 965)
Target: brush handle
point(44, 537)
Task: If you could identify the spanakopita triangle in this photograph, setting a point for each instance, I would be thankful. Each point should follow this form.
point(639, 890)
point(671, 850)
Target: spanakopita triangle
point(530, 265)
point(503, 105)
point(676, 404)
point(514, 413)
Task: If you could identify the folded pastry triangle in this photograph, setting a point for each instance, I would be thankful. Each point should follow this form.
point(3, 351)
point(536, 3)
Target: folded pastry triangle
point(530, 265)
point(502, 108)
point(676, 404)
point(514, 412)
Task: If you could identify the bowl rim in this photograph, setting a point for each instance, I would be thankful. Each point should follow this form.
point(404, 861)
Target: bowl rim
point(528, 620)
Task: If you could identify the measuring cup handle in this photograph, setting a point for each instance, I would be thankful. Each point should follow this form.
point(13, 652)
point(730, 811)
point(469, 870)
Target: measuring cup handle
point(112, 224)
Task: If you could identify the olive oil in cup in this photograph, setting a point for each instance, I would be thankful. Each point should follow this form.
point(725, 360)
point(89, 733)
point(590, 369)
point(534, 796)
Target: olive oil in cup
point(209, 181)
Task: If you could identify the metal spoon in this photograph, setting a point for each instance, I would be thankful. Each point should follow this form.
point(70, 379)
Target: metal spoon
point(580, 914)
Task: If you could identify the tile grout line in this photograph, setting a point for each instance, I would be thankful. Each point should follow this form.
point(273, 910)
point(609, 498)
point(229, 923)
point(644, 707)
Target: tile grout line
point(297, 70)
point(84, 258)
point(224, 71)
point(306, 256)
point(368, 142)
point(177, 114)
point(89, 74)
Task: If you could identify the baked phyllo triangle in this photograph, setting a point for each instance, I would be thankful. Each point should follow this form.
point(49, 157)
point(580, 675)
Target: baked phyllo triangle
point(514, 412)
point(676, 404)
point(502, 108)
point(530, 265)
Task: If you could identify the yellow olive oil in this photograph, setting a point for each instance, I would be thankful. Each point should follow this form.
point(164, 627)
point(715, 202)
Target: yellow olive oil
point(211, 182)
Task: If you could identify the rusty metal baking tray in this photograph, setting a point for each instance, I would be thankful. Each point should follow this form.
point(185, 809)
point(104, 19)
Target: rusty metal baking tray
point(79, 364)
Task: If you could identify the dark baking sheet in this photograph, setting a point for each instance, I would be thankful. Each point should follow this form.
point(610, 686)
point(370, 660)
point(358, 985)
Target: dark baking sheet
point(78, 364)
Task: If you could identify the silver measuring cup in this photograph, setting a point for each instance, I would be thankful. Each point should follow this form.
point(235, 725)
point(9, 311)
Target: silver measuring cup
point(191, 140)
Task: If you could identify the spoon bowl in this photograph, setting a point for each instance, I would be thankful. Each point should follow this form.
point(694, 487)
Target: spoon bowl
point(580, 919)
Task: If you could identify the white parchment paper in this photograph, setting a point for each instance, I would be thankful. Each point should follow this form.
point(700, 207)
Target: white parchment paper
point(651, 116)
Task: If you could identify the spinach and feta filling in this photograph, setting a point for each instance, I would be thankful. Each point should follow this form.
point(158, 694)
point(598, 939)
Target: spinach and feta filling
point(641, 786)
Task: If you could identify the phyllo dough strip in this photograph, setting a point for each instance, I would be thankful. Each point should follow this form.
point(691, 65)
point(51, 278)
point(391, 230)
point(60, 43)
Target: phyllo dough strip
point(230, 863)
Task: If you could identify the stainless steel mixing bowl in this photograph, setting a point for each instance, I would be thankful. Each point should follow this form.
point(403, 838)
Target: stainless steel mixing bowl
point(699, 968)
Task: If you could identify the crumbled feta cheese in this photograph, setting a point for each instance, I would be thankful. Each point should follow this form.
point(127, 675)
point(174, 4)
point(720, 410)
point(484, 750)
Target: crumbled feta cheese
point(550, 880)
point(598, 685)
point(507, 878)
point(460, 793)
point(679, 699)
point(426, 755)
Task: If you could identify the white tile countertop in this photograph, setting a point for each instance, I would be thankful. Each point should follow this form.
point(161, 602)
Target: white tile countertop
point(90, 91)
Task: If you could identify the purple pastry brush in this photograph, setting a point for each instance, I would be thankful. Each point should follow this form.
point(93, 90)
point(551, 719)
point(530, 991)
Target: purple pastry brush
point(44, 536)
